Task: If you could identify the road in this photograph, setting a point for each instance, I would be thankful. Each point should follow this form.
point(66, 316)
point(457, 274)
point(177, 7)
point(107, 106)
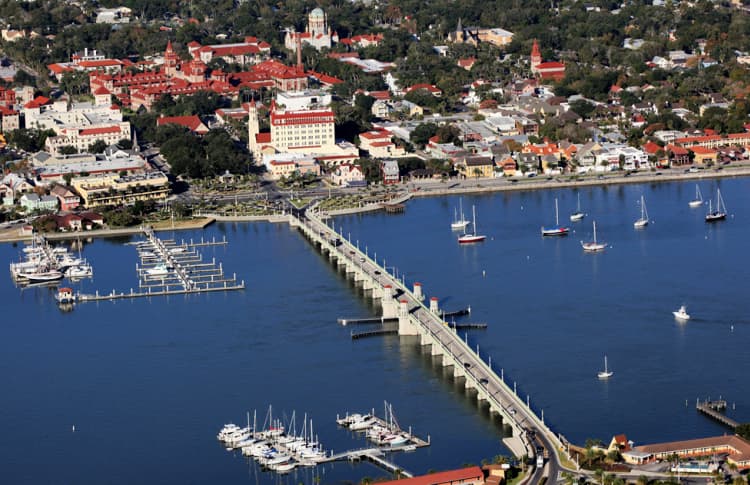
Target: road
point(527, 426)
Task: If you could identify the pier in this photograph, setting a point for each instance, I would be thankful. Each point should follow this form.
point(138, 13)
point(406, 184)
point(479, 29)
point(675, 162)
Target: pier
point(405, 305)
point(170, 268)
point(713, 410)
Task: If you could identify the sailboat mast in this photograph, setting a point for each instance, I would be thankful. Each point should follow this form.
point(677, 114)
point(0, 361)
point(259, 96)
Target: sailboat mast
point(557, 222)
point(474, 219)
point(594, 232)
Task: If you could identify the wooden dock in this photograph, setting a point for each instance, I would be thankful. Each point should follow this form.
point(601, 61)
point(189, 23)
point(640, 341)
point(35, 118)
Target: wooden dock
point(713, 410)
point(375, 333)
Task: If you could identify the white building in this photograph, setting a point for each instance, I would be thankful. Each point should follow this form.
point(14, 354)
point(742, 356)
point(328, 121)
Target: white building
point(348, 175)
point(303, 100)
point(317, 34)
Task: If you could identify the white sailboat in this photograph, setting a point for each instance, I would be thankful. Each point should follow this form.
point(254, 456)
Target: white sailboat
point(593, 246)
point(577, 215)
point(472, 237)
point(643, 221)
point(718, 214)
point(606, 373)
point(698, 201)
point(682, 313)
point(459, 223)
point(557, 229)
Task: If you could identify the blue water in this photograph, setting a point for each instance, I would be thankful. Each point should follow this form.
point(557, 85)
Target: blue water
point(148, 383)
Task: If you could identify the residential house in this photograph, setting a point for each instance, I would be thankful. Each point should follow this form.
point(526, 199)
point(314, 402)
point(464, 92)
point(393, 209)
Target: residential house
point(377, 143)
point(33, 202)
point(475, 166)
point(348, 175)
point(67, 198)
point(390, 172)
point(69, 222)
point(508, 166)
point(620, 444)
point(527, 162)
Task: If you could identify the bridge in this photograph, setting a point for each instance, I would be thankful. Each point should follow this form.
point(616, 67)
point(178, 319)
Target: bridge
point(528, 431)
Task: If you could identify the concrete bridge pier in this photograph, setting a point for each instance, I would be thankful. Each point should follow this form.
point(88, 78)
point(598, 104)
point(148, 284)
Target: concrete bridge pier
point(405, 325)
point(388, 303)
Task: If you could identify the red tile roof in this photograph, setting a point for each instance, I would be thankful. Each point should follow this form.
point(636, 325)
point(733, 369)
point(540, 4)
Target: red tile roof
point(104, 130)
point(470, 474)
point(37, 102)
point(192, 123)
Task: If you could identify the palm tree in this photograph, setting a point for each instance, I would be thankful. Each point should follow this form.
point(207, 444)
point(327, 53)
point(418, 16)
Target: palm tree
point(599, 475)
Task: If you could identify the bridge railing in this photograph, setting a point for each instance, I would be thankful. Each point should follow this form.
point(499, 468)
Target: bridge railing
point(464, 345)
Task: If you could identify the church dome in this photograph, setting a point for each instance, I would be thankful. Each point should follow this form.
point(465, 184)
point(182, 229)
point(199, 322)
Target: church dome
point(317, 13)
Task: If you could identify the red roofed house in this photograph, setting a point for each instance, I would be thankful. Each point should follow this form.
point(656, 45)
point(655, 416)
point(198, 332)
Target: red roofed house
point(192, 123)
point(472, 475)
point(703, 155)
point(467, 63)
point(619, 443)
point(738, 449)
point(348, 175)
point(361, 41)
point(378, 144)
point(68, 199)
point(554, 71)
point(430, 88)
point(678, 155)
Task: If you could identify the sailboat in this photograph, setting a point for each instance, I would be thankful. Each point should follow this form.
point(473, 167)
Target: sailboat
point(643, 221)
point(459, 223)
point(557, 229)
point(682, 313)
point(720, 213)
point(606, 373)
point(577, 215)
point(698, 201)
point(593, 246)
point(472, 237)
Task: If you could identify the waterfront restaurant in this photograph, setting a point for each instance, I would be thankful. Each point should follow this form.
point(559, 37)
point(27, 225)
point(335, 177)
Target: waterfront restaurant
point(736, 449)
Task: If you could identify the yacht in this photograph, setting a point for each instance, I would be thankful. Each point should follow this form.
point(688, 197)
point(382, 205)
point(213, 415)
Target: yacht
point(41, 275)
point(577, 215)
point(80, 271)
point(606, 373)
point(698, 201)
point(593, 246)
point(557, 229)
point(718, 214)
point(682, 313)
point(643, 221)
point(459, 223)
point(158, 270)
point(472, 237)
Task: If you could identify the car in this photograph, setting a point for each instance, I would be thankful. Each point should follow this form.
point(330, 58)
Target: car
point(657, 173)
point(484, 381)
point(361, 260)
point(377, 272)
point(351, 252)
point(467, 365)
point(693, 170)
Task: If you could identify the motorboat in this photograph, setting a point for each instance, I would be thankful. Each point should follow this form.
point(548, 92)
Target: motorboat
point(42, 276)
point(472, 237)
point(557, 229)
point(682, 313)
point(65, 295)
point(283, 467)
point(593, 246)
point(158, 270)
point(80, 271)
point(365, 422)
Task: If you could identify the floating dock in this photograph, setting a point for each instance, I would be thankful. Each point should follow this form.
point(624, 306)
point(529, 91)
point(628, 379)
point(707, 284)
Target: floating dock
point(170, 268)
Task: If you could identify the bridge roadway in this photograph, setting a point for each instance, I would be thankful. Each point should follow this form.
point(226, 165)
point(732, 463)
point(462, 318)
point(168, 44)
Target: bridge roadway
point(417, 319)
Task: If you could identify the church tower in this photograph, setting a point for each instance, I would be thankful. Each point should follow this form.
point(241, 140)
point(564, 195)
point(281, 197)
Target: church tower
point(536, 56)
point(252, 127)
point(170, 60)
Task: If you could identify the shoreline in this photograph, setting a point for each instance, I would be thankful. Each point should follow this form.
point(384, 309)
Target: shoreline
point(423, 189)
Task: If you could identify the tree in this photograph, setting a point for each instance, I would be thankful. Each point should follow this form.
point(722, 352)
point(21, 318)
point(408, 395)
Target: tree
point(68, 150)
point(743, 430)
point(422, 133)
point(98, 146)
point(68, 177)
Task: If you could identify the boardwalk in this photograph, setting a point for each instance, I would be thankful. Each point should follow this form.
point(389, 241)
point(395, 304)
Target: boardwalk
point(713, 410)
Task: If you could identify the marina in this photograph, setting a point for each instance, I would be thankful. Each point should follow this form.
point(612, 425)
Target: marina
point(44, 264)
point(281, 448)
point(168, 268)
